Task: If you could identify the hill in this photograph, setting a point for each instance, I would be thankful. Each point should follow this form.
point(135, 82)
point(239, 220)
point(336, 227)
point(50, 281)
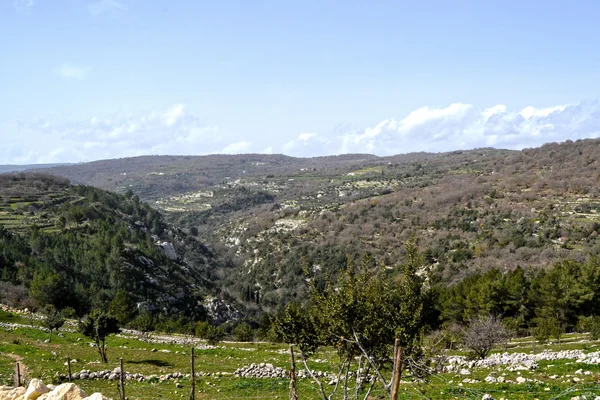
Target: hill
point(19, 168)
point(275, 216)
point(83, 247)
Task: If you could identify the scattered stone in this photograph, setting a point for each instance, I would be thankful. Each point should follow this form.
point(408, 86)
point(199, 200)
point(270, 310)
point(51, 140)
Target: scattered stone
point(35, 389)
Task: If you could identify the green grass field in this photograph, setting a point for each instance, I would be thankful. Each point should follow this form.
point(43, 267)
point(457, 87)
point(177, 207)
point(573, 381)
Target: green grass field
point(552, 380)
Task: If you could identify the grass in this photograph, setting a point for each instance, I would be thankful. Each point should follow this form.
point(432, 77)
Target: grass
point(47, 361)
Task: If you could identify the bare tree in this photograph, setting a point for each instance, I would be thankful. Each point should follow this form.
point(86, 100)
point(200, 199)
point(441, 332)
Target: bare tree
point(483, 333)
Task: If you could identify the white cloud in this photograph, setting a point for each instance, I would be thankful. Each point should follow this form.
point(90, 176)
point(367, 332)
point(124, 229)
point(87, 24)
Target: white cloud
point(23, 6)
point(237, 147)
point(175, 130)
point(174, 113)
point(458, 126)
point(307, 143)
point(170, 131)
point(102, 6)
point(70, 71)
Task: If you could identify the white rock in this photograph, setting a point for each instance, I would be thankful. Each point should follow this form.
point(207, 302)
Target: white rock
point(35, 389)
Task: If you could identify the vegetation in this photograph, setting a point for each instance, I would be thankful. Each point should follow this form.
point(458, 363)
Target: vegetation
point(98, 326)
point(360, 317)
point(53, 319)
point(85, 248)
point(483, 334)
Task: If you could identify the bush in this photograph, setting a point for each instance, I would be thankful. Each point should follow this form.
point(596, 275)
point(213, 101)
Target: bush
point(243, 332)
point(590, 325)
point(212, 334)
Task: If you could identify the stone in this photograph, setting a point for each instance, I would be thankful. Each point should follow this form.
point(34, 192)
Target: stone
point(12, 393)
point(487, 397)
point(96, 396)
point(520, 380)
point(35, 389)
point(66, 391)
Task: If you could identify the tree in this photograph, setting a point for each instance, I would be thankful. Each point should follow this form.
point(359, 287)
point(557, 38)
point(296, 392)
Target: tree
point(53, 319)
point(212, 334)
point(144, 322)
point(483, 333)
point(361, 316)
point(98, 326)
point(122, 307)
point(243, 332)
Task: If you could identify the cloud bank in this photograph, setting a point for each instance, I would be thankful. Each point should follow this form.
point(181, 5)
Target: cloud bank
point(169, 131)
point(176, 130)
point(459, 126)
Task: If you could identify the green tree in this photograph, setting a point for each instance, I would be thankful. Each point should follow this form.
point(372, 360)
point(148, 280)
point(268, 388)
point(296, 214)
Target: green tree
point(53, 319)
point(98, 326)
point(243, 332)
point(122, 307)
point(361, 316)
point(144, 322)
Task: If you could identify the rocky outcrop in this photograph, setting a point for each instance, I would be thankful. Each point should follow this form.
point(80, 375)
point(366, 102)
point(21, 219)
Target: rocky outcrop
point(38, 391)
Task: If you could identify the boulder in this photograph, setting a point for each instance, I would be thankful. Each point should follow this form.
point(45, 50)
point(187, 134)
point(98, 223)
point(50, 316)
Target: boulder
point(96, 396)
point(9, 393)
point(66, 391)
point(35, 389)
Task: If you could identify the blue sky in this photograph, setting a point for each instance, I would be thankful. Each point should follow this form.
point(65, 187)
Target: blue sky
point(84, 80)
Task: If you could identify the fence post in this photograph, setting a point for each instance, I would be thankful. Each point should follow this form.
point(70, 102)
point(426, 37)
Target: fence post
point(122, 380)
point(69, 368)
point(193, 392)
point(397, 370)
point(293, 388)
point(18, 374)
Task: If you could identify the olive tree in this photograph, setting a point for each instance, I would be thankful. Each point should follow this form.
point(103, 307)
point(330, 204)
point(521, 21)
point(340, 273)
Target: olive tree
point(361, 316)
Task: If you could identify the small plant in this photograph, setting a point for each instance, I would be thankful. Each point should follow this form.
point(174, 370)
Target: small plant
point(97, 326)
point(53, 319)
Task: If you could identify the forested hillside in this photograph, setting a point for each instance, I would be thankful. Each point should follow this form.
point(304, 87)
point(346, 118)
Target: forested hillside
point(275, 218)
point(86, 248)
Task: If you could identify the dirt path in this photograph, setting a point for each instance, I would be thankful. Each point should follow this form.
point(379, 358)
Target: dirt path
point(22, 367)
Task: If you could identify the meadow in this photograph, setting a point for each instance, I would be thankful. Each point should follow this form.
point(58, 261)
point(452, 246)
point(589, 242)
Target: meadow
point(215, 367)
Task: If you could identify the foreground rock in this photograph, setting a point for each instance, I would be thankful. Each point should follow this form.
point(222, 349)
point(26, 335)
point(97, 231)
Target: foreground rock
point(38, 391)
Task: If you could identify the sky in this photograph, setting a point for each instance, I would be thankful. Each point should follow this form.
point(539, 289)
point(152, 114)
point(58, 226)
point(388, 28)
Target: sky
point(82, 80)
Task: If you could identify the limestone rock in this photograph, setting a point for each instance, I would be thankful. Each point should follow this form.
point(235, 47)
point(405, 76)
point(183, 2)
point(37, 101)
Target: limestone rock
point(66, 391)
point(35, 389)
point(12, 393)
point(96, 396)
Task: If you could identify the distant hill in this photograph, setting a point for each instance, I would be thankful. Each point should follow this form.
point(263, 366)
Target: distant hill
point(79, 247)
point(273, 217)
point(19, 168)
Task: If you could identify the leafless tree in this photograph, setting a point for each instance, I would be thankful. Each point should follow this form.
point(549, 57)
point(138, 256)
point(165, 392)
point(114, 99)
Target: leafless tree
point(483, 333)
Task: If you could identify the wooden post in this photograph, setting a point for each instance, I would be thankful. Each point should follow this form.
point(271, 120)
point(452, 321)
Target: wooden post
point(69, 368)
point(293, 388)
point(397, 370)
point(18, 374)
point(122, 380)
point(193, 392)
